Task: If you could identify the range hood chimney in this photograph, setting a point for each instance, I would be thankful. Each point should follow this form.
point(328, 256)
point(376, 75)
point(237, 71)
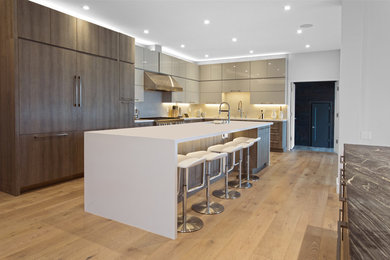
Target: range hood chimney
point(160, 82)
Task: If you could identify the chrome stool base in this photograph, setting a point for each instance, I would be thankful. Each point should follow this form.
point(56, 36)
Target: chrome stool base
point(251, 177)
point(236, 184)
point(232, 194)
point(214, 208)
point(192, 224)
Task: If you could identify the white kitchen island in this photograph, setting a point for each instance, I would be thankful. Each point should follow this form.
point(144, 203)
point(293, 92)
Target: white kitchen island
point(131, 175)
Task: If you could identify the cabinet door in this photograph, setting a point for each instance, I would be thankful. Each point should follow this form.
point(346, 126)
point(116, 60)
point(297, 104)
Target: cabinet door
point(192, 97)
point(192, 71)
point(278, 84)
point(139, 57)
point(216, 71)
point(126, 81)
point(182, 68)
point(236, 85)
point(242, 70)
point(126, 48)
point(205, 72)
point(108, 43)
point(139, 86)
point(99, 84)
point(276, 68)
point(179, 97)
point(228, 71)
point(47, 88)
point(150, 60)
point(268, 97)
point(33, 21)
point(126, 111)
point(87, 37)
point(210, 86)
point(63, 29)
point(210, 98)
point(45, 158)
point(165, 64)
point(78, 146)
point(175, 66)
point(258, 69)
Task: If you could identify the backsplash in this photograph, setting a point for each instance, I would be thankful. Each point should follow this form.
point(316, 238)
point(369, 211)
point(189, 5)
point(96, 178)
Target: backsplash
point(153, 106)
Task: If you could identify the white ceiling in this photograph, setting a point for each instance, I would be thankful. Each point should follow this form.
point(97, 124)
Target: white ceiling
point(262, 26)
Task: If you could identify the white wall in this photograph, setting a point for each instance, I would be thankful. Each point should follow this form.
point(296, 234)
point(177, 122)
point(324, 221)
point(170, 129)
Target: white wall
point(314, 66)
point(364, 81)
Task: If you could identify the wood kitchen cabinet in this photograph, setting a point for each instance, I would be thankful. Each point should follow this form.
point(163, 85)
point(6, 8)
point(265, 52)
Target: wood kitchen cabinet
point(210, 98)
point(45, 157)
point(99, 92)
point(229, 71)
point(139, 86)
point(150, 60)
point(277, 84)
point(236, 70)
point(192, 92)
point(60, 78)
point(87, 37)
point(33, 21)
point(278, 136)
point(192, 71)
point(268, 97)
point(47, 86)
point(108, 43)
point(126, 48)
point(63, 30)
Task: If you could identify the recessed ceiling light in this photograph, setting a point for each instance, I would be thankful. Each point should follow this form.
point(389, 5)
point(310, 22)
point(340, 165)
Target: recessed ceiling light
point(299, 31)
point(307, 46)
point(146, 31)
point(206, 55)
point(182, 46)
point(251, 52)
point(86, 7)
point(234, 39)
point(206, 21)
point(287, 8)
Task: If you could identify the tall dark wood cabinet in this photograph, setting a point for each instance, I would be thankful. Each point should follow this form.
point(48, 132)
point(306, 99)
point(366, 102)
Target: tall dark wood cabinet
point(60, 76)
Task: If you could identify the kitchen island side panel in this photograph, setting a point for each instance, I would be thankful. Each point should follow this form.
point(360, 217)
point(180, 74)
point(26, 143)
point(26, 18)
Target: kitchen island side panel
point(132, 180)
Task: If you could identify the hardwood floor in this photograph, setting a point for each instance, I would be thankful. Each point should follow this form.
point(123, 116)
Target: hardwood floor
point(291, 213)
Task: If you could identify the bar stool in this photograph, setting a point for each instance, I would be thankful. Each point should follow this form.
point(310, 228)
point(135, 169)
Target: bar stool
point(186, 224)
point(249, 176)
point(230, 150)
point(208, 207)
point(238, 184)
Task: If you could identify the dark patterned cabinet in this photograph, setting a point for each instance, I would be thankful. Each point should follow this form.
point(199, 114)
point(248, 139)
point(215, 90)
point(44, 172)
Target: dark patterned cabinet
point(60, 76)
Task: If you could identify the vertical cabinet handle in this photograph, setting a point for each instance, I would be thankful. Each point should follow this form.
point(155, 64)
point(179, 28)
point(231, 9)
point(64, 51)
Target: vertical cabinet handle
point(75, 92)
point(80, 92)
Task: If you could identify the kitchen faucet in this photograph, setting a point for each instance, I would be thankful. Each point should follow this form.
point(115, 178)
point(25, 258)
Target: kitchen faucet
point(224, 110)
point(240, 108)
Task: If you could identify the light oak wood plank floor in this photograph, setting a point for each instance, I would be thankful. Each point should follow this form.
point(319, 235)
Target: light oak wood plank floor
point(291, 213)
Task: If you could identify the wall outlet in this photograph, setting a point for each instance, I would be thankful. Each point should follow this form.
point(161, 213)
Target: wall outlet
point(224, 136)
point(366, 135)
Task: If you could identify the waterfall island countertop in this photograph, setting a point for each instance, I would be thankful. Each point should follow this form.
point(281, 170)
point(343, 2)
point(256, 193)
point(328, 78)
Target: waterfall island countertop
point(130, 174)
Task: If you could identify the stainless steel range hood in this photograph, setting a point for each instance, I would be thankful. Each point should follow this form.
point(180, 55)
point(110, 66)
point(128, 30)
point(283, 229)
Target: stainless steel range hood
point(160, 82)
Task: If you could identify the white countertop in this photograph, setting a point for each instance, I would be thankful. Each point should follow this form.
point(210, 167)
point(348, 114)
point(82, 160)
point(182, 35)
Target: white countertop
point(184, 132)
point(215, 118)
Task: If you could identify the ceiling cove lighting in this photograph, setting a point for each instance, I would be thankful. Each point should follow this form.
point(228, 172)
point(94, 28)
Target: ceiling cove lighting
point(234, 39)
point(146, 31)
point(307, 46)
point(287, 8)
point(86, 7)
point(299, 31)
point(206, 22)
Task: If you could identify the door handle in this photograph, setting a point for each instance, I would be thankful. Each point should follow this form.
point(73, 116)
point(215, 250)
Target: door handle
point(80, 92)
point(50, 135)
point(75, 92)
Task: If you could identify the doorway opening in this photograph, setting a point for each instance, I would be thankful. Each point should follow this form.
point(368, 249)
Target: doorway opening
point(314, 115)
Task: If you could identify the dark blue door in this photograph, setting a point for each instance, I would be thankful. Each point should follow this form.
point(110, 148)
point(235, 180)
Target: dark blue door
point(320, 124)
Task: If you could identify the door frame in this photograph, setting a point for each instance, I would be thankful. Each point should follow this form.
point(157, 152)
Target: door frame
point(291, 115)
